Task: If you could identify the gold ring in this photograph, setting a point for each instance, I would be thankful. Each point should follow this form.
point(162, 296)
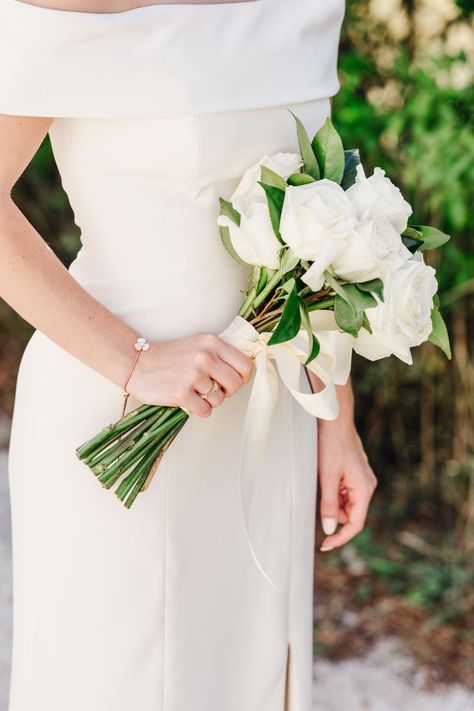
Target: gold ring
point(215, 387)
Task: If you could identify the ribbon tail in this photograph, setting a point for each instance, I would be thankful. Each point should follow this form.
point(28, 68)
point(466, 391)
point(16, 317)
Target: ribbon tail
point(322, 404)
point(256, 431)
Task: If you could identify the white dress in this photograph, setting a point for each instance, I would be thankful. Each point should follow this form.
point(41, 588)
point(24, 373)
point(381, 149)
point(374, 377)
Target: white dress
point(167, 606)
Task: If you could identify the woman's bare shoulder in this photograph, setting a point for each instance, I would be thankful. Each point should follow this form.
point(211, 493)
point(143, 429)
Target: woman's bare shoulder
point(113, 6)
point(99, 6)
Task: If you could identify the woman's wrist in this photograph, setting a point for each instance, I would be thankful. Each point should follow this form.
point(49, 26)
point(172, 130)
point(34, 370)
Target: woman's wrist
point(345, 396)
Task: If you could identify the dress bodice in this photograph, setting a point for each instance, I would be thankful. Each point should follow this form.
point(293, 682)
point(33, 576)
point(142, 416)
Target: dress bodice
point(167, 58)
point(157, 112)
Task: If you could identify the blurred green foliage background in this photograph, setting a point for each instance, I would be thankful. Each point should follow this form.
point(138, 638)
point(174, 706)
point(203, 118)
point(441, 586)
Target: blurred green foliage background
point(407, 101)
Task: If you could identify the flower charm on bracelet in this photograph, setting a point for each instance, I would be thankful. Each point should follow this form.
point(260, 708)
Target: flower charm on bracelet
point(141, 344)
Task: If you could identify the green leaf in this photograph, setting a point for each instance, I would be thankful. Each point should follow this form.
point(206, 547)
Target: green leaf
point(262, 279)
point(314, 344)
point(411, 232)
point(411, 238)
point(346, 315)
point(360, 298)
point(288, 285)
point(432, 238)
point(269, 177)
point(288, 261)
point(300, 179)
point(373, 285)
point(226, 208)
point(290, 320)
point(439, 335)
point(366, 323)
point(349, 304)
point(310, 163)
point(227, 242)
point(334, 284)
point(351, 161)
point(329, 151)
point(275, 198)
point(412, 244)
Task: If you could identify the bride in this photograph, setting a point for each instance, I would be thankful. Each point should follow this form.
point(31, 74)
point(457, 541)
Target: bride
point(154, 110)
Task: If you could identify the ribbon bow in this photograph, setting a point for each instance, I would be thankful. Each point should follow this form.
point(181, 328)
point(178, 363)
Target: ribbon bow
point(332, 365)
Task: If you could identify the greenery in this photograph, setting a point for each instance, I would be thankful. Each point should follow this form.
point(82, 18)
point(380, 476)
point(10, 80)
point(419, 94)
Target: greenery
point(410, 110)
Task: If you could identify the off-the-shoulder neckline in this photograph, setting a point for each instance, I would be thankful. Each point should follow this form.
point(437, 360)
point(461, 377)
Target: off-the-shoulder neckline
point(133, 10)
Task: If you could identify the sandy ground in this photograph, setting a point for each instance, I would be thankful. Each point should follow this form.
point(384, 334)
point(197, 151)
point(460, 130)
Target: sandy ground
point(385, 680)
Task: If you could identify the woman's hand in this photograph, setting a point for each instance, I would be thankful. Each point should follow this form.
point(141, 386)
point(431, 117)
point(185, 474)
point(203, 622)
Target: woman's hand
point(347, 481)
point(175, 372)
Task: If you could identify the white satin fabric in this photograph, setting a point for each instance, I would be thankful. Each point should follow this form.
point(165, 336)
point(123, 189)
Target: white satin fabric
point(182, 603)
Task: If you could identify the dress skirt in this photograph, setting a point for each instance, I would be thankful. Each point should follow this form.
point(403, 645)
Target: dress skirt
point(162, 607)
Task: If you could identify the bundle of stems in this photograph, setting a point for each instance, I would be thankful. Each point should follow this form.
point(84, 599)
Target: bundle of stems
point(131, 449)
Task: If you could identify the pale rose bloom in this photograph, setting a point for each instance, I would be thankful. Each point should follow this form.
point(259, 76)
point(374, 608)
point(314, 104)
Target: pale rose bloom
point(316, 222)
point(377, 196)
point(254, 241)
point(373, 249)
point(284, 164)
point(403, 319)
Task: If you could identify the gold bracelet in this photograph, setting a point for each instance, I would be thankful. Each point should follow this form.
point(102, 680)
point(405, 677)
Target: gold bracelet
point(141, 344)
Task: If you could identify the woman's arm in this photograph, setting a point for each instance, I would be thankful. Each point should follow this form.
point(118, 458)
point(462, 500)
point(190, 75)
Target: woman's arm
point(346, 478)
point(35, 283)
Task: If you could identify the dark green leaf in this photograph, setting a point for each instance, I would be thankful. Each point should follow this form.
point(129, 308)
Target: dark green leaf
point(290, 321)
point(373, 285)
point(366, 323)
point(275, 198)
point(411, 238)
point(412, 244)
point(300, 179)
point(226, 208)
point(351, 161)
point(347, 317)
point(262, 279)
point(439, 335)
point(359, 298)
point(314, 344)
point(334, 284)
point(329, 151)
point(310, 163)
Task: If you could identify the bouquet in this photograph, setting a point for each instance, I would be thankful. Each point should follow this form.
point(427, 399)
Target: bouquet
point(333, 268)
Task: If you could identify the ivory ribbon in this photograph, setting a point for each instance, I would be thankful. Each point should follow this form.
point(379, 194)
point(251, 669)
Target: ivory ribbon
point(332, 365)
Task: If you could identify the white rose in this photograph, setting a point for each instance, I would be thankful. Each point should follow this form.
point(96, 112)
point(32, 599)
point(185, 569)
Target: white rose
point(373, 249)
point(316, 221)
point(403, 319)
point(377, 196)
point(284, 164)
point(254, 241)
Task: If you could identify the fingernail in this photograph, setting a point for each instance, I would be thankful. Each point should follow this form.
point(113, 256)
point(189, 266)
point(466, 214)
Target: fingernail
point(329, 525)
point(326, 548)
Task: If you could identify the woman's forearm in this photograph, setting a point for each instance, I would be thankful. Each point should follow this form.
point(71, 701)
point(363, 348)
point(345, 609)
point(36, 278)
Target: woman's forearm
point(345, 396)
point(35, 283)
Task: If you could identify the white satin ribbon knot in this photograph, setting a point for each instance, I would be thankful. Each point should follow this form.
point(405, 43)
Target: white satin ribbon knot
point(284, 361)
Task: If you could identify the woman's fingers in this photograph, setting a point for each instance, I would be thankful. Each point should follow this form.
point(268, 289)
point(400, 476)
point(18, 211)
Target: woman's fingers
point(235, 359)
point(357, 508)
point(196, 404)
point(329, 505)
